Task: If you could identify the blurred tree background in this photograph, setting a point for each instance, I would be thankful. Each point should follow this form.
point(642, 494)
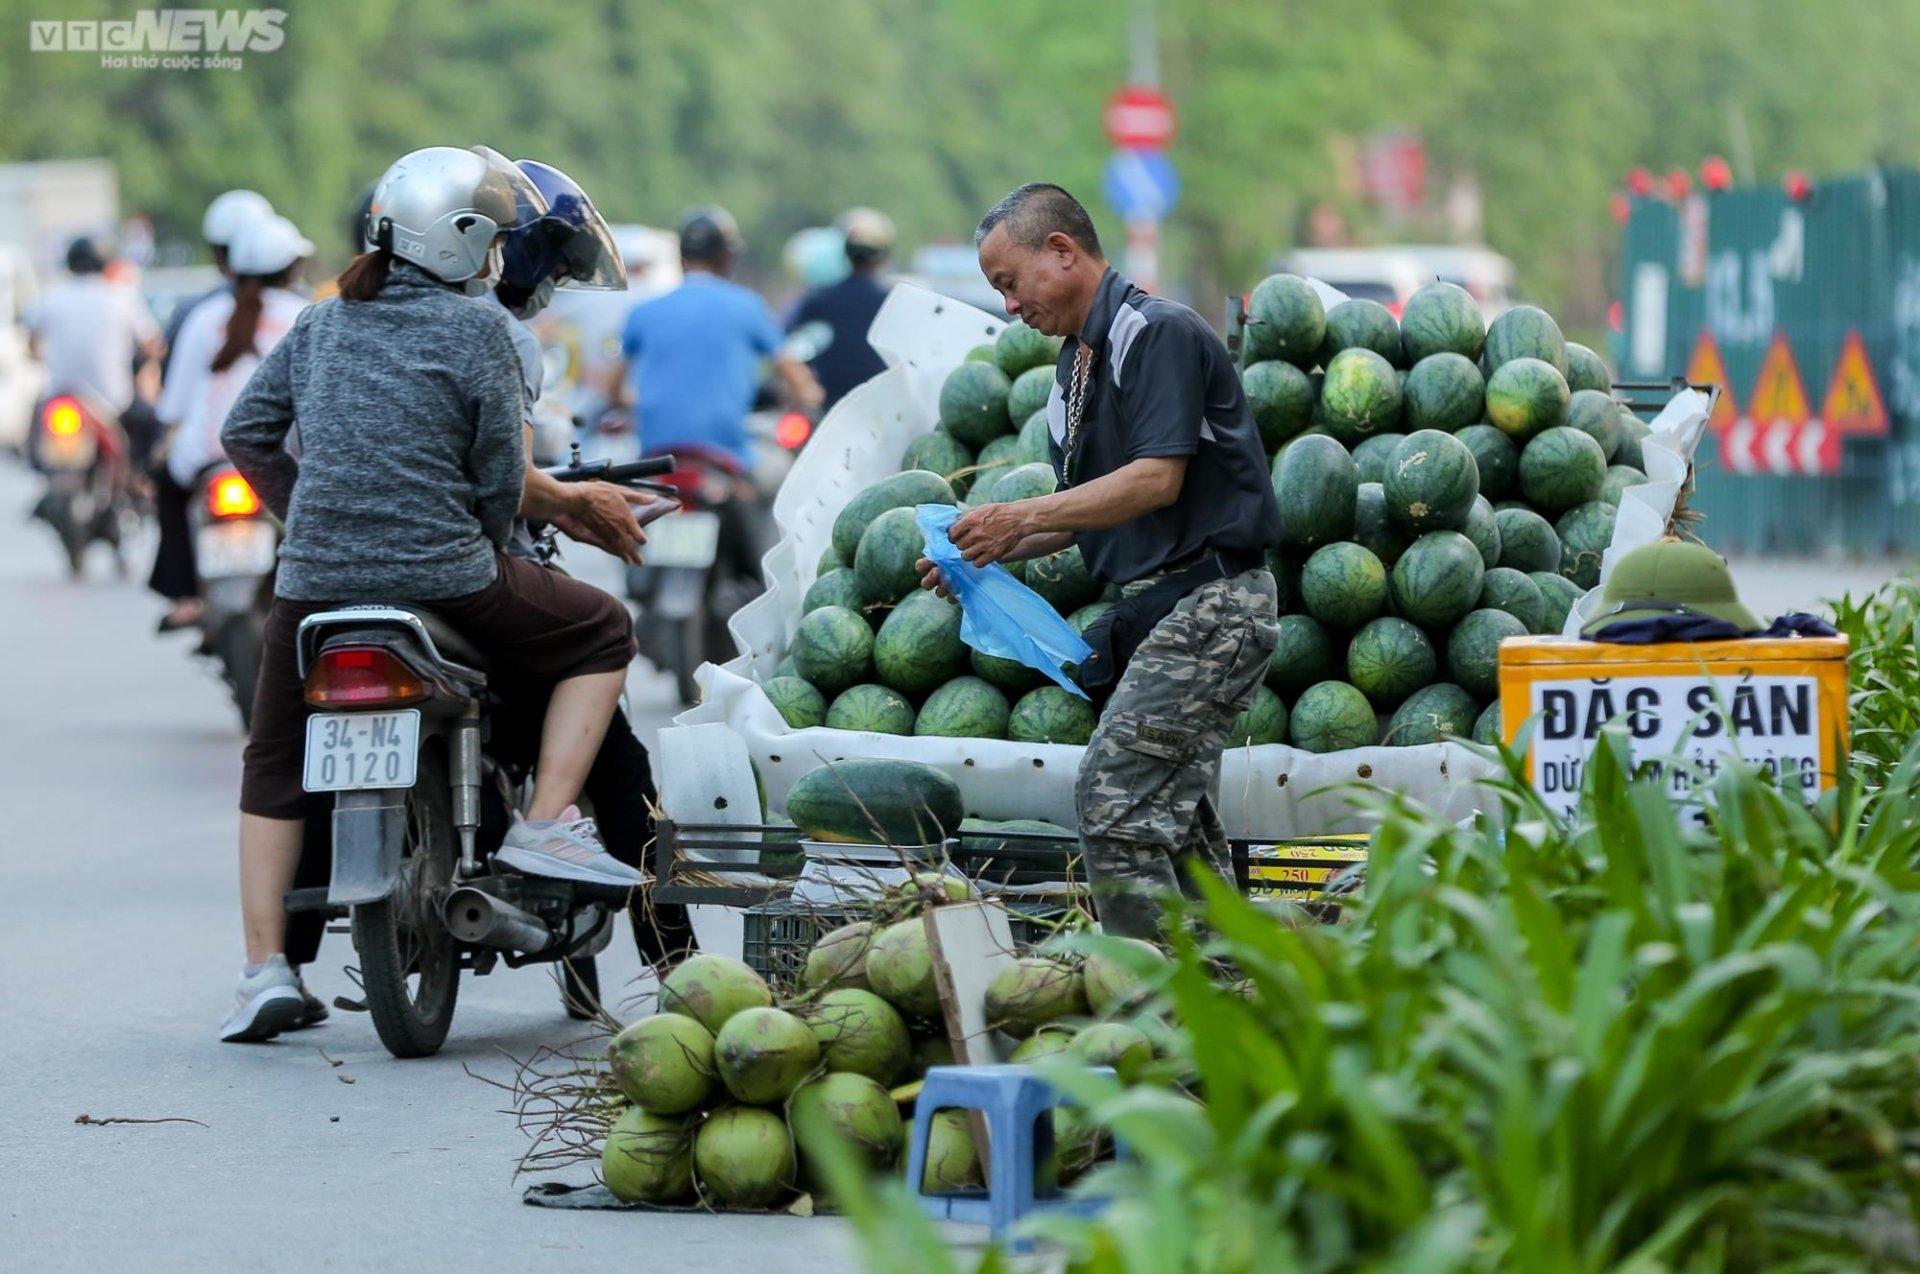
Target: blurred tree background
point(789, 110)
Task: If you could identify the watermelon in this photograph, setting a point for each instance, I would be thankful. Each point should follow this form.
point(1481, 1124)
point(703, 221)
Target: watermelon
point(1063, 579)
point(1444, 392)
point(1438, 579)
point(1080, 621)
point(1430, 715)
point(1332, 716)
point(980, 354)
point(996, 460)
point(1020, 348)
point(1388, 660)
point(1483, 530)
point(919, 646)
point(1559, 593)
point(964, 708)
point(1052, 715)
point(902, 490)
point(1010, 675)
point(1585, 532)
point(875, 801)
point(1526, 396)
point(884, 564)
point(879, 709)
point(1374, 528)
point(799, 704)
point(1525, 332)
point(786, 668)
point(1360, 396)
point(1527, 540)
point(1473, 650)
point(833, 649)
point(1431, 482)
point(1315, 482)
point(1264, 721)
point(1509, 590)
point(1031, 443)
point(1361, 324)
point(1486, 729)
point(1305, 653)
point(1373, 455)
point(1619, 478)
point(940, 452)
point(835, 588)
point(1586, 369)
point(1633, 436)
point(1442, 318)
point(1285, 319)
point(1281, 398)
point(829, 560)
point(973, 403)
point(1598, 416)
point(1343, 586)
point(1561, 468)
point(1023, 483)
point(1029, 393)
point(1495, 458)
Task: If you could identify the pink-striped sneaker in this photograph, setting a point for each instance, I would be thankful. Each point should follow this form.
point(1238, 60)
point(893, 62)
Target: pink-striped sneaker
point(564, 848)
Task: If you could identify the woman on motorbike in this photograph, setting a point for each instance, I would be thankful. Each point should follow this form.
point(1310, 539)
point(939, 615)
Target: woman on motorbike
point(409, 405)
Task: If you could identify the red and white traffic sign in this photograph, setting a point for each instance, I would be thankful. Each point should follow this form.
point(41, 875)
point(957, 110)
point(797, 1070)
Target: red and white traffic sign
point(1139, 117)
point(1779, 434)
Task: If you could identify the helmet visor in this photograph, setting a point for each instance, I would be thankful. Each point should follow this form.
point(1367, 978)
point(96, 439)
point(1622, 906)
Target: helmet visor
point(584, 246)
point(505, 193)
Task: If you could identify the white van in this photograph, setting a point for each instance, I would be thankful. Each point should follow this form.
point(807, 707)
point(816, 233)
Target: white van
point(1390, 275)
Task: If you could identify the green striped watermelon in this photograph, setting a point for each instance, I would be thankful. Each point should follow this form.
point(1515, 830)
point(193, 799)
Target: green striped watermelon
point(1360, 396)
point(1388, 660)
point(1559, 593)
point(902, 490)
point(1483, 530)
point(1373, 455)
point(1598, 415)
point(799, 704)
point(876, 709)
point(884, 564)
point(869, 801)
point(1343, 585)
point(1586, 369)
point(1438, 579)
point(1632, 438)
point(835, 588)
point(1264, 721)
point(1561, 468)
point(1473, 650)
point(918, 647)
point(1509, 590)
point(1063, 579)
point(1285, 319)
point(1495, 459)
point(1304, 654)
point(1020, 348)
point(964, 708)
point(1374, 527)
point(1432, 481)
point(973, 403)
point(1446, 392)
point(1361, 324)
point(980, 354)
point(1281, 398)
point(1008, 675)
point(1024, 482)
point(1486, 729)
point(1585, 532)
point(940, 452)
point(1052, 715)
point(1031, 446)
point(1526, 396)
point(833, 648)
point(1314, 481)
point(1528, 541)
point(1029, 393)
point(1442, 318)
point(1432, 714)
point(996, 460)
point(1332, 716)
point(1525, 331)
point(1619, 478)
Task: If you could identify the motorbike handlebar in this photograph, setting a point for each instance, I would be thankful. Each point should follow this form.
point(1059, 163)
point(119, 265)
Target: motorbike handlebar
point(607, 471)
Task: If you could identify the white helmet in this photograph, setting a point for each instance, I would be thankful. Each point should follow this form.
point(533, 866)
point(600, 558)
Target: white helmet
point(228, 212)
point(443, 208)
point(267, 245)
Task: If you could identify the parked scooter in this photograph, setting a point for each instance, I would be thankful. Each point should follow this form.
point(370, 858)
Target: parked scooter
point(79, 448)
point(237, 545)
point(422, 799)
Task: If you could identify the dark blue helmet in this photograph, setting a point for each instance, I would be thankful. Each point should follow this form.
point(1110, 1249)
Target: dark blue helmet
point(568, 246)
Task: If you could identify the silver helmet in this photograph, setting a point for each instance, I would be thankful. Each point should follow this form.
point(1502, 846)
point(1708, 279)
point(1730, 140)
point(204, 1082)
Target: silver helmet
point(444, 209)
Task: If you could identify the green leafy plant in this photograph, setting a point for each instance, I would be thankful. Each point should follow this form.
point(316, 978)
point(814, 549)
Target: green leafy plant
point(1883, 673)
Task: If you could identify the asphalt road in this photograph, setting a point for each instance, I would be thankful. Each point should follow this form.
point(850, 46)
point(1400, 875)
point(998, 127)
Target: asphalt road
point(119, 766)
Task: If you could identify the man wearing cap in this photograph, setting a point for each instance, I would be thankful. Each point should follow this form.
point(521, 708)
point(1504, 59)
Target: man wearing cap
point(847, 307)
point(1670, 591)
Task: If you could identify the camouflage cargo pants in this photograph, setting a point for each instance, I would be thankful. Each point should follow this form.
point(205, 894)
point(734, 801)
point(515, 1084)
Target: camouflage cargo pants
point(1145, 793)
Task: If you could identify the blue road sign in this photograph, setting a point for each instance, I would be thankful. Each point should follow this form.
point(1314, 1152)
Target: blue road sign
point(1140, 185)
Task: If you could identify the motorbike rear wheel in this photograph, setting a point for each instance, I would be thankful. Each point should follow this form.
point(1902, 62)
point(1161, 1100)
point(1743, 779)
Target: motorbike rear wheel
point(409, 963)
point(239, 645)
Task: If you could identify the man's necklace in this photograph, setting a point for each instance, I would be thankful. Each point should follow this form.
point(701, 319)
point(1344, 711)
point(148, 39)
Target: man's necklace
point(1077, 405)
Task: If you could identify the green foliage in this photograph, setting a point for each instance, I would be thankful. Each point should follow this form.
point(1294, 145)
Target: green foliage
point(1883, 675)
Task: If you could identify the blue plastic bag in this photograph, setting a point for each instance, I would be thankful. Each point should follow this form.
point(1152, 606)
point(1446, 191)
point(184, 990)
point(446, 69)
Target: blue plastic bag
point(998, 614)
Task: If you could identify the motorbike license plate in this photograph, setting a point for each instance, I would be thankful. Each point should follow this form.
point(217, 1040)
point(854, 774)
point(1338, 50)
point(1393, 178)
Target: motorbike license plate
point(361, 751)
point(683, 539)
point(227, 549)
point(68, 451)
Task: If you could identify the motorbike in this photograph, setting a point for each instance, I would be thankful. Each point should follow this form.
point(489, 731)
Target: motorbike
point(79, 448)
point(236, 545)
point(422, 797)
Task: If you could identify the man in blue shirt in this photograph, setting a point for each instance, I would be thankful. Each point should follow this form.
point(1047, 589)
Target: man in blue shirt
point(693, 355)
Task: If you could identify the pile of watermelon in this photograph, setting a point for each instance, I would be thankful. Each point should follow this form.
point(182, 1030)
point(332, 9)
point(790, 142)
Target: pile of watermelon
point(1445, 484)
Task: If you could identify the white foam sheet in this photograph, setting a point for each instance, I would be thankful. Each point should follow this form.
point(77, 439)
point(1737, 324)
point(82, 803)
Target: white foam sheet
point(1266, 792)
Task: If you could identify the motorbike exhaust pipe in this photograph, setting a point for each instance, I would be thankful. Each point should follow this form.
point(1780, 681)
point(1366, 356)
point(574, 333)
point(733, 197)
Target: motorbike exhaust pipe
point(479, 919)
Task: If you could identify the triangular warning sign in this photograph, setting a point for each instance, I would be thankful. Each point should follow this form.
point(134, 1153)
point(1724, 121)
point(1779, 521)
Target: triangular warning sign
point(1779, 394)
point(1706, 367)
point(1853, 404)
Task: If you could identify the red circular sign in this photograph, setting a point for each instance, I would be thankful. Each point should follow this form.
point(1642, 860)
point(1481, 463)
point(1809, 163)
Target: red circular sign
point(1140, 118)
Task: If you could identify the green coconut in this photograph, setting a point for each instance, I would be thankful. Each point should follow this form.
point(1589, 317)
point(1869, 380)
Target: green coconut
point(762, 1054)
point(938, 887)
point(953, 1164)
point(860, 1111)
point(743, 1157)
point(664, 1063)
point(900, 968)
point(930, 1051)
point(1116, 982)
point(1031, 992)
point(840, 958)
point(647, 1157)
point(1125, 1048)
point(1045, 1042)
point(712, 988)
point(860, 1033)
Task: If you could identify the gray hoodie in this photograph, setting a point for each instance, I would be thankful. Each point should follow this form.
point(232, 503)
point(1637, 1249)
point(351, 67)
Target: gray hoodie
point(409, 409)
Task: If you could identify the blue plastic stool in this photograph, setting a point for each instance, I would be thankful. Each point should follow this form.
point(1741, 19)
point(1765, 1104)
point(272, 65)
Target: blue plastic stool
point(1012, 1098)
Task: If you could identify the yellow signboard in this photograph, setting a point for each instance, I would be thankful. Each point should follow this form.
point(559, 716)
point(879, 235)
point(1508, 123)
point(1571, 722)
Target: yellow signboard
point(1688, 708)
point(1301, 869)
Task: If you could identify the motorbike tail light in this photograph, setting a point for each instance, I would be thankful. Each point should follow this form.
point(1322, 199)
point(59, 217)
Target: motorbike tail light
point(363, 677)
point(792, 431)
point(232, 496)
point(63, 417)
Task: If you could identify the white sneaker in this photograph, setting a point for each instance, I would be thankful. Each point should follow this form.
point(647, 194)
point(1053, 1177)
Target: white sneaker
point(266, 1003)
point(565, 848)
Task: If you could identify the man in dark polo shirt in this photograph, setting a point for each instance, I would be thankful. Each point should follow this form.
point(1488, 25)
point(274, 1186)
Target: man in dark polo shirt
point(1164, 488)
